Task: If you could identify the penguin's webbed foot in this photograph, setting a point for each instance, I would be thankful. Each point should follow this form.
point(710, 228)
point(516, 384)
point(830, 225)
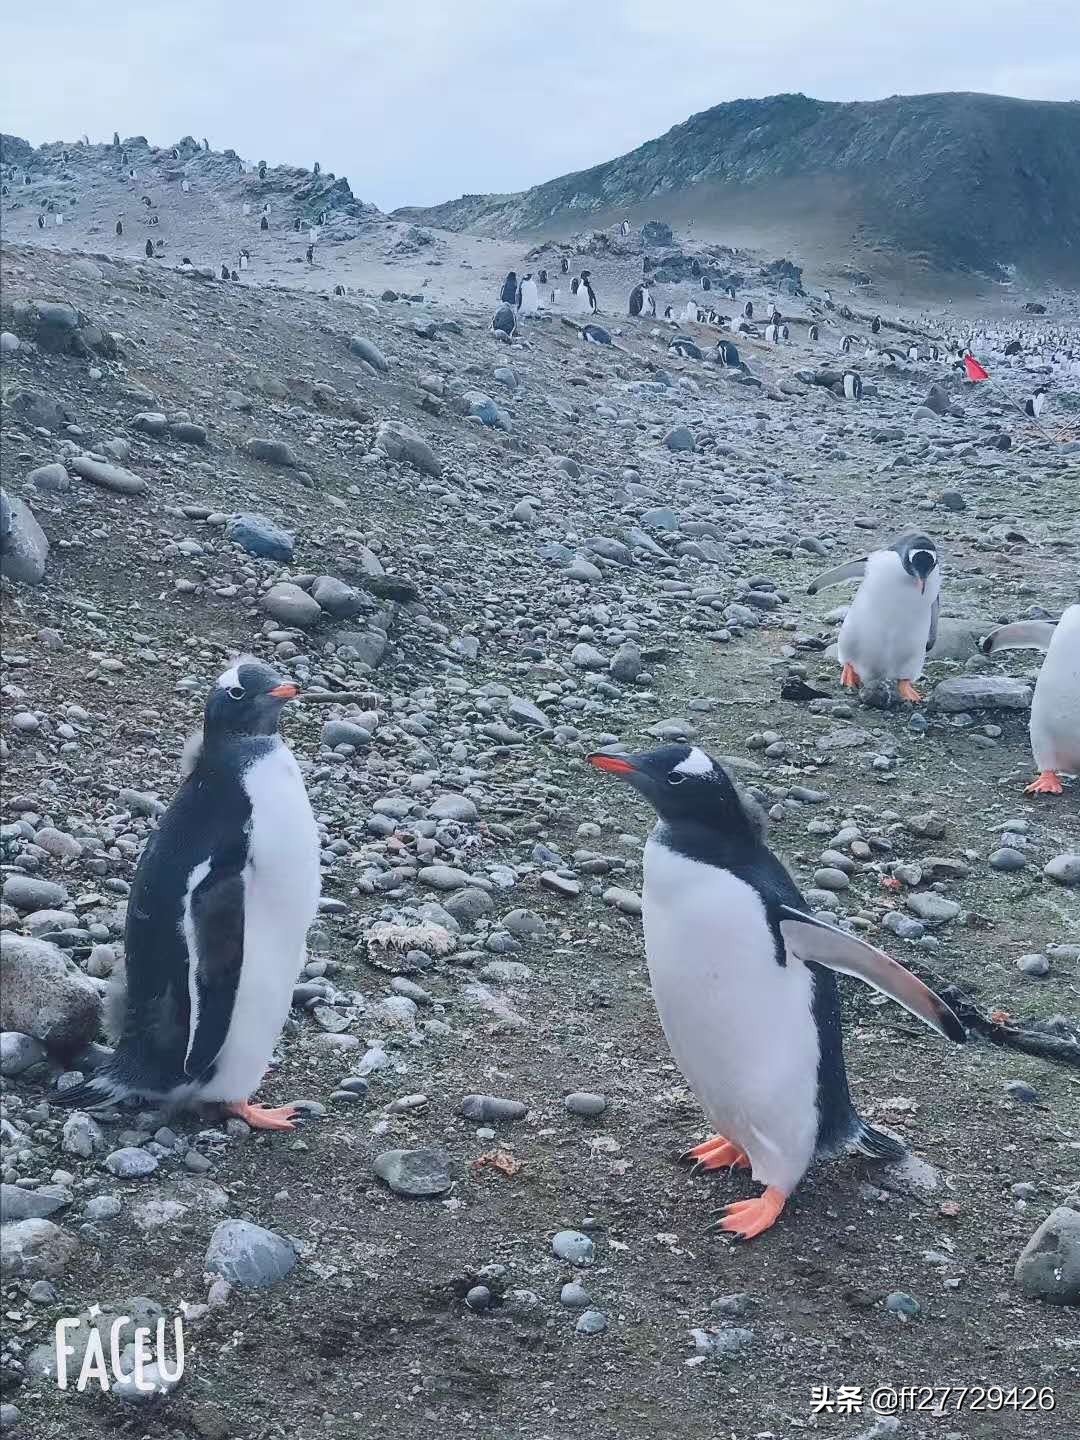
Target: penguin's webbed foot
point(1048, 783)
point(849, 677)
point(907, 691)
point(747, 1218)
point(717, 1153)
point(262, 1117)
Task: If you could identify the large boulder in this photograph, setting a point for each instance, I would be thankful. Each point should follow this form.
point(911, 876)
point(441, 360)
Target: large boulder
point(401, 442)
point(260, 536)
point(24, 547)
point(249, 1256)
point(288, 604)
point(44, 995)
point(1049, 1264)
point(35, 1250)
point(39, 411)
point(981, 692)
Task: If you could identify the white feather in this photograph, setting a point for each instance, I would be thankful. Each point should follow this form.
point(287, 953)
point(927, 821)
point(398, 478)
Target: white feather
point(1055, 706)
point(885, 631)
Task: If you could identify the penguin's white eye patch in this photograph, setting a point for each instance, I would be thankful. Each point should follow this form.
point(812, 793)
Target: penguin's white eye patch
point(696, 763)
point(236, 692)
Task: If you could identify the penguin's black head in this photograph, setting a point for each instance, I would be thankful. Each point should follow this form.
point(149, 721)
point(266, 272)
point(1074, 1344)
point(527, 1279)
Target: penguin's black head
point(247, 700)
point(682, 784)
point(919, 558)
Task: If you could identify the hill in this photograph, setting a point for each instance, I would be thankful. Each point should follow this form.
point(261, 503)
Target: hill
point(969, 181)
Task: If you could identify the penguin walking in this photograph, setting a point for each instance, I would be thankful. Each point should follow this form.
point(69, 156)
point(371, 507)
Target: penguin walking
point(119, 227)
point(218, 915)
point(590, 293)
point(642, 300)
point(892, 622)
point(1055, 707)
point(528, 297)
point(149, 249)
point(41, 222)
point(1033, 405)
point(309, 254)
point(813, 333)
point(508, 293)
point(743, 979)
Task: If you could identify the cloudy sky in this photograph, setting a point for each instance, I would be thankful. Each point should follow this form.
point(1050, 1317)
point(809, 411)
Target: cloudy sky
point(422, 100)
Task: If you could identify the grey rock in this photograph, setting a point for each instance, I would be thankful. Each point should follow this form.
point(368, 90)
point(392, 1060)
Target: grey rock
point(442, 877)
point(587, 657)
point(39, 411)
point(19, 1204)
point(82, 1135)
point(574, 1296)
point(150, 422)
point(35, 1250)
point(189, 433)
point(290, 605)
point(369, 646)
point(573, 1246)
point(933, 909)
point(337, 598)
point(1049, 1264)
point(366, 350)
point(452, 807)
point(24, 547)
point(422, 1172)
point(981, 692)
point(344, 732)
point(487, 1109)
point(260, 536)
point(400, 442)
point(581, 1102)
point(26, 893)
point(483, 408)
point(680, 438)
point(44, 995)
point(249, 1256)
point(627, 664)
point(900, 1303)
point(108, 477)
point(592, 1322)
point(1065, 869)
point(1007, 859)
point(131, 1162)
point(271, 452)
point(1036, 966)
point(19, 1053)
point(51, 479)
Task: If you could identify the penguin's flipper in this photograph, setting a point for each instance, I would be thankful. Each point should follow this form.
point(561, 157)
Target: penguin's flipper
point(217, 924)
point(852, 570)
point(1024, 635)
point(817, 942)
point(931, 638)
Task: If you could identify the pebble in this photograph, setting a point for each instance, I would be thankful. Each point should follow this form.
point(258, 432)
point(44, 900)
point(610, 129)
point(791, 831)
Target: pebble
point(1065, 869)
point(573, 1246)
point(1006, 859)
point(574, 1296)
point(581, 1102)
point(492, 1109)
point(903, 1305)
point(260, 536)
point(35, 1250)
point(1049, 1264)
point(131, 1162)
point(933, 909)
point(591, 1322)
point(420, 1172)
point(248, 1255)
point(290, 605)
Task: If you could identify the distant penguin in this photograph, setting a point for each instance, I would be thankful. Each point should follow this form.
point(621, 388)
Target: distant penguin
point(846, 344)
point(748, 310)
point(505, 319)
point(785, 332)
point(262, 169)
point(772, 334)
point(669, 314)
point(852, 384)
point(728, 354)
point(695, 268)
point(1013, 347)
point(935, 352)
point(913, 352)
point(1055, 706)
point(206, 145)
point(220, 906)
point(149, 249)
point(264, 224)
point(246, 208)
point(586, 280)
point(595, 335)
point(730, 292)
point(892, 622)
point(528, 297)
point(691, 313)
point(706, 283)
point(224, 272)
point(875, 325)
point(828, 297)
point(132, 175)
point(41, 222)
point(233, 275)
point(575, 284)
point(684, 346)
point(813, 333)
point(339, 289)
point(1033, 405)
point(775, 317)
point(565, 265)
point(508, 293)
point(116, 140)
point(119, 227)
point(317, 169)
point(309, 254)
point(298, 224)
point(266, 208)
point(245, 258)
point(146, 201)
point(542, 278)
point(742, 973)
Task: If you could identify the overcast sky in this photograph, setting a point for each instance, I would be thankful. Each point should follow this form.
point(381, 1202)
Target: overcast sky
point(422, 100)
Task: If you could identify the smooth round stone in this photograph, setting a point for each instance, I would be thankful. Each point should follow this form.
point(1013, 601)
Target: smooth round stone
point(573, 1246)
point(592, 1322)
point(478, 1298)
point(1007, 859)
point(1034, 965)
point(491, 1108)
point(574, 1296)
point(130, 1162)
point(831, 878)
point(1021, 1091)
point(581, 1102)
point(902, 1304)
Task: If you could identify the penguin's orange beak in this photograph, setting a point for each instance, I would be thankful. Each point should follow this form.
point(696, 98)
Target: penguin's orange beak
point(285, 691)
point(614, 764)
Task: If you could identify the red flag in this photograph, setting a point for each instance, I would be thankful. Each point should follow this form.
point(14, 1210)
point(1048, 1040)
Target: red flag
point(974, 370)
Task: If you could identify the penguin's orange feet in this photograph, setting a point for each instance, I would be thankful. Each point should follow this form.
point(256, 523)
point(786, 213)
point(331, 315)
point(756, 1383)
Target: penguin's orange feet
point(849, 676)
point(908, 692)
point(1048, 783)
point(747, 1218)
point(716, 1153)
point(260, 1117)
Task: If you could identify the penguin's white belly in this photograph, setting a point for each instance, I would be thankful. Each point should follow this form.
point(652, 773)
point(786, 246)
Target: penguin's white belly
point(884, 633)
point(1055, 706)
point(739, 1025)
point(530, 300)
point(281, 898)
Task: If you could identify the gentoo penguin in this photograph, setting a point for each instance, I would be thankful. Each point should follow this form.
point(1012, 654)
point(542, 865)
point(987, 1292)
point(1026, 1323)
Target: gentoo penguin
point(892, 622)
point(846, 343)
point(742, 977)
point(913, 352)
point(637, 299)
point(813, 333)
point(728, 354)
point(262, 169)
point(669, 313)
point(233, 275)
point(775, 317)
point(339, 289)
point(41, 222)
point(244, 257)
point(309, 254)
point(852, 385)
point(691, 312)
point(264, 224)
point(528, 297)
point(730, 292)
point(695, 268)
point(772, 334)
point(685, 347)
point(298, 224)
point(149, 249)
point(875, 325)
point(224, 272)
point(1055, 706)
point(565, 263)
point(595, 335)
point(748, 310)
point(508, 293)
point(505, 319)
point(828, 297)
point(1013, 347)
point(590, 293)
point(317, 170)
point(1033, 405)
point(218, 914)
point(706, 283)
point(119, 227)
point(542, 278)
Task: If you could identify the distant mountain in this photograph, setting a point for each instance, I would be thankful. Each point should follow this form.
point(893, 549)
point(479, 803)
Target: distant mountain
point(967, 181)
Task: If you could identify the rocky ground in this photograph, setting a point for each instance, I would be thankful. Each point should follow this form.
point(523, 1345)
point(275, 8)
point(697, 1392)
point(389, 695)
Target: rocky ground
point(483, 560)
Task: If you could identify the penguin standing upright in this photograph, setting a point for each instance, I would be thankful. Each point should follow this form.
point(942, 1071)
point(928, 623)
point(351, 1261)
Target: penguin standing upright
point(528, 297)
point(1055, 706)
point(309, 254)
point(590, 293)
point(504, 321)
point(1033, 405)
point(119, 227)
point(224, 272)
point(892, 622)
point(813, 333)
point(706, 283)
point(565, 262)
point(742, 976)
point(875, 325)
point(41, 222)
point(542, 278)
point(730, 292)
point(508, 293)
point(149, 249)
point(264, 223)
point(218, 915)
point(748, 310)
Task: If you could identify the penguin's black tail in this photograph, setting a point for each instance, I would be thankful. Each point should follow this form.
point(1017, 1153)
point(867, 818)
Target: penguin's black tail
point(101, 1089)
point(876, 1145)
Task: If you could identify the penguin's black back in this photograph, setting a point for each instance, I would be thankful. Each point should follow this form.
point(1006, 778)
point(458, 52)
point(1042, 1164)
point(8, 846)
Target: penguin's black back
point(209, 817)
point(741, 852)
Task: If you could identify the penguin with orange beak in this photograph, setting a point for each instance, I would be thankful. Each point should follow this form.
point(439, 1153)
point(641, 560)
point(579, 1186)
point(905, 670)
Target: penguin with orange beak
point(743, 977)
point(218, 915)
